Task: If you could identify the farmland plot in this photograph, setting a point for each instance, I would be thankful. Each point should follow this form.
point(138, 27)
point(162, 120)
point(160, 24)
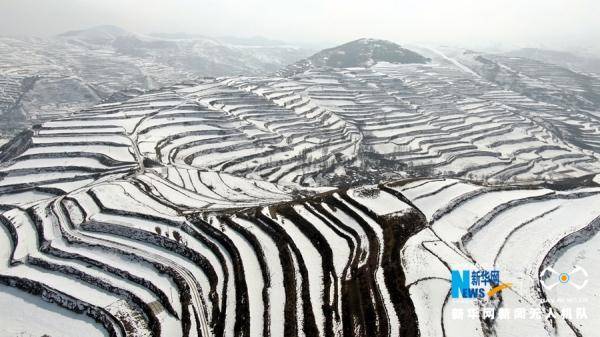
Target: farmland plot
point(321, 201)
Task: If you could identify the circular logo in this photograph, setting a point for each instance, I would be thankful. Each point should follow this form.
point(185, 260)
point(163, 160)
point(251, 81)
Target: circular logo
point(564, 278)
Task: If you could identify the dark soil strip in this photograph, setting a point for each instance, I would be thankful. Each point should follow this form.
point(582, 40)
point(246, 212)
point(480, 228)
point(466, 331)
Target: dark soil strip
point(264, 268)
point(396, 231)
point(152, 320)
point(363, 311)
point(321, 244)
point(242, 309)
point(280, 236)
point(289, 277)
point(51, 295)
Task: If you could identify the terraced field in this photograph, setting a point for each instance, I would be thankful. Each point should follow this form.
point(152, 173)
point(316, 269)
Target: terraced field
point(45, 77)
point(518, 231)
point(328, 202)
point(324, 125)
point(140, 266)
point(141, 261)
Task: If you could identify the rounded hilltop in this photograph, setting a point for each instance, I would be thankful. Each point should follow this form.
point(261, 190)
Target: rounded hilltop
point(361, 53)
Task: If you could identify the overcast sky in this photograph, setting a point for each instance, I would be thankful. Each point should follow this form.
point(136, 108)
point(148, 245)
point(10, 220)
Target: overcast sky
point(537, 23)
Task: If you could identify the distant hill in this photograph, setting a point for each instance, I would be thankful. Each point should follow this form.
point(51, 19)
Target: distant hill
point(561, 58)
point(97, 35)
point(46, 77)
point(232, 40)
point(251, 41)
point(364, 53)
point(358, 53)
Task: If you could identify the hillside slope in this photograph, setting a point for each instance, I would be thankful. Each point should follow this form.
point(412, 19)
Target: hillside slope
point(334, 202)
point(358, 53)
point(46, 77)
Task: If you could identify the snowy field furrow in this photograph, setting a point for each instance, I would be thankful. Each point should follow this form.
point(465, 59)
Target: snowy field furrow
point(318, 201)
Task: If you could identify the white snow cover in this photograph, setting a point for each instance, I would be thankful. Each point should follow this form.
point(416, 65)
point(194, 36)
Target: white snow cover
point(583, 255)
point(312, 260)
point(515, 232)
point(188, 159)
point(392, 316)
point(380, 202)
point(254, 281)
point(19, 310)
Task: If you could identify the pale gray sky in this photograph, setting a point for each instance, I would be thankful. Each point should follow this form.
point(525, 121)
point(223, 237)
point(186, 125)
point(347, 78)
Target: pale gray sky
point(539, 23)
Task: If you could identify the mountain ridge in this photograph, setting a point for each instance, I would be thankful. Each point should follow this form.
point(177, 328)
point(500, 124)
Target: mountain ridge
point(364, 52)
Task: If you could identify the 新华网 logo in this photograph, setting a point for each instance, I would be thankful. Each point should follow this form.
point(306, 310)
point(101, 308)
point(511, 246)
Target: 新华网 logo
point(476, 283)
